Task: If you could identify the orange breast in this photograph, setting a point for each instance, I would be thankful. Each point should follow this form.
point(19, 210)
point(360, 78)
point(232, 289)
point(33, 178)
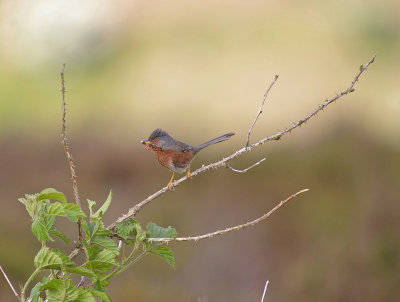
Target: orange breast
point(173, 160)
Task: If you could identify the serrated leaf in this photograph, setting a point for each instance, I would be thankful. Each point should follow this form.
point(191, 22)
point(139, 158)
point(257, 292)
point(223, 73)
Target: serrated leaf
point(106, 243)
point(79, 270)
point(55, 232)
point(73, 212)
point(85, 295)
point(61, 291)
point(126, 227)
point(49, 221)
point(39, 229)
point(56, 209)
point(100, 212)
point(48, 258)
point(156, 231)
point(101, 295)
point(35, 292)
point(164, 253)
point(91, 205)
point(28, 205)
point(51, 193)
point(106, 256)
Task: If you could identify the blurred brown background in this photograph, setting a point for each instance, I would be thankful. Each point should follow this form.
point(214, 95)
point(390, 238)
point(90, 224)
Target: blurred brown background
point(199, 69)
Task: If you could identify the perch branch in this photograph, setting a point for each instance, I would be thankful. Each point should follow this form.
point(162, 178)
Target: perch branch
point(260, 109)
point(9, 282)
point(235, 228)
point(247, 169)
point(132, 212)
point(64, 141)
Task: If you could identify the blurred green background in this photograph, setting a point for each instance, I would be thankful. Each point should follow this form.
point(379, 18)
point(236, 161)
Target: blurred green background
point(199, 69)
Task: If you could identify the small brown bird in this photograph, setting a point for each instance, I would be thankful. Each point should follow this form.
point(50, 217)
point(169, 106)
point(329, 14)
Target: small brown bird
point(173, 154)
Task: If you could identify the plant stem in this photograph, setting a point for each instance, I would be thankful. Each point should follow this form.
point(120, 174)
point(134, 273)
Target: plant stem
point(27, 283)
point(125, 263)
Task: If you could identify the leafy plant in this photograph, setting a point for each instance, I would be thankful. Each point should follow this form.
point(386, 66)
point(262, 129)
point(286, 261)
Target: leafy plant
point(103, 257)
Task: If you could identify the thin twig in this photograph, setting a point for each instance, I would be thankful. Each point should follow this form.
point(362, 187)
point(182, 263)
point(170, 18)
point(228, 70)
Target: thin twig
point(260, 109)
point(81, 282)
point(265, 290)
point(221, 163)
point(235, 228)
point(9, 282)
point(247, 169)
point(64, 141)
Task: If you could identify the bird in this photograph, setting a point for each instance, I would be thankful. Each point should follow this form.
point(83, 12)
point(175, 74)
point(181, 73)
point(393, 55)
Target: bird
point(175, 155)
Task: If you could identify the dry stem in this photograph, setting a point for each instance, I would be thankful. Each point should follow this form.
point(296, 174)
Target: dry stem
point(64, 141)
point(260, 109)
point(235, 228)
point(9, 282)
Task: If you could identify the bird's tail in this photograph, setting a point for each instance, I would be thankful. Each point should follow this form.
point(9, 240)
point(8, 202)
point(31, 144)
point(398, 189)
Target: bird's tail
point(213, 141)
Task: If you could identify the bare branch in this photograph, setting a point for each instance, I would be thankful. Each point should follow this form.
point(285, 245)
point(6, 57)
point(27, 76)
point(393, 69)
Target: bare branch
point(235, 228)
point(64, 141)
point(9, 283)
point(265, 289)
point(132, 212)
point(260, 109)
point(247, 169)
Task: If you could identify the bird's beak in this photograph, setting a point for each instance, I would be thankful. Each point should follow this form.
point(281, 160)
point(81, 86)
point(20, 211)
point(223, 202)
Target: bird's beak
point(146, 144)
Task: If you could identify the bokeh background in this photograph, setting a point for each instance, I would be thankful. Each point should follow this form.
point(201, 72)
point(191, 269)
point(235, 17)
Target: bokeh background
point(199, 69)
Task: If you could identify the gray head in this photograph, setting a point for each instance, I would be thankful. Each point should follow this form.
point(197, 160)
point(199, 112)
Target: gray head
point(158, 138)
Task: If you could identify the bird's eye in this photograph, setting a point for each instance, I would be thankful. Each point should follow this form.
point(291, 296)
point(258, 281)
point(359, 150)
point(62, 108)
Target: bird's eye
point(155, 140)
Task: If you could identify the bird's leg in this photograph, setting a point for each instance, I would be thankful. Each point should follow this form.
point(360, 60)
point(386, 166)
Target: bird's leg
point(170, 182)
point(188, 175)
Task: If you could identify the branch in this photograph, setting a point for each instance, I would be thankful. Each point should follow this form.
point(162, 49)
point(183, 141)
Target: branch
point(260, 109)
point(9, 283)
point(132, 212)
point(227, 230)
point(265, 289)
point(247, 169)
point(64, 141)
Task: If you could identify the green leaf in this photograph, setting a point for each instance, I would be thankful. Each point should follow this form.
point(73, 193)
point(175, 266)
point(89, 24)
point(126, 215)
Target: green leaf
point(73, 212)
point(85, 295)
point(29, 205)
point(106, 243)
point(55, 232)
point(49, 221)
point(156, 231)
point(56, 209)
point(91, 205)
point(61, 291)
point(51, 193)
point(35, 292)
point(48, 258)
point(164, 253)
point(79, 270)
point(106, 256)
point(101, 295)
point(100, 212)
point(126, 227)
point(39, 229)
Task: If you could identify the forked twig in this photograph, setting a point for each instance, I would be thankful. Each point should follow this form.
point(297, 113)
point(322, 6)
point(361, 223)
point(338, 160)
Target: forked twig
point(248, 168)
point(235, 228)
point(9, 282)
point(260, 109)
point(64, 141)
